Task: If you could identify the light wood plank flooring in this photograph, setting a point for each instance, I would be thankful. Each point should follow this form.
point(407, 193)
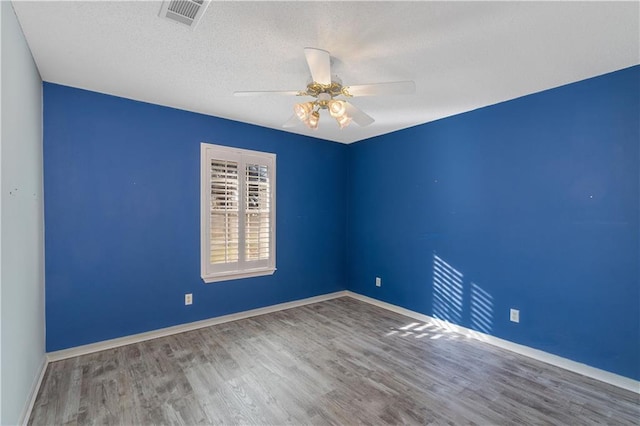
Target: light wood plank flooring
point(336, 362)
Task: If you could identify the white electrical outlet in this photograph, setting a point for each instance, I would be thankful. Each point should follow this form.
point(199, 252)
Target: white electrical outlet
point(188, 299)
point(514, 315)
point(378, 281)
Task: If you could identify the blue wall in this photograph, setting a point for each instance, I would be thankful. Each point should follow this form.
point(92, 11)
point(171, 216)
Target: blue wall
point(531, 204)
point(122, 198)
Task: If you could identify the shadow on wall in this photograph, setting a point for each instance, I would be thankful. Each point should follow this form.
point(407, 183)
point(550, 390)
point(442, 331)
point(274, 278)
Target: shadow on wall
point(451, 294)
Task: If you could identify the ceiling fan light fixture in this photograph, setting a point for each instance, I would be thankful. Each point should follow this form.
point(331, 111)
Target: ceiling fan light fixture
point(303, 110)
point(313, 120)
point(337, 109)
point(343, 121)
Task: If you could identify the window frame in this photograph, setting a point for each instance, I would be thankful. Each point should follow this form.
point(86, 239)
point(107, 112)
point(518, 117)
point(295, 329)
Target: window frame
point(242, 268)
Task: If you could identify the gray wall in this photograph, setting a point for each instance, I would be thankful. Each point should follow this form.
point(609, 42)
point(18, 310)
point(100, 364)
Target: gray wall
point(22, 352)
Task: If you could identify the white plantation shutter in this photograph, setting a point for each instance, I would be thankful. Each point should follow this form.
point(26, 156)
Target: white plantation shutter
point(257, 212)
point(224, 211)
point(238, 213)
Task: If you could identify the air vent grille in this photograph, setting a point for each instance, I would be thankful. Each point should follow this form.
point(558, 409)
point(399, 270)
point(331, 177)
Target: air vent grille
point(185, 8)
point(187, 12)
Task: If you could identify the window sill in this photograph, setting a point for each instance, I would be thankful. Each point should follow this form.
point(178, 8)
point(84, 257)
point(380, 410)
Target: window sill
point(235, 275)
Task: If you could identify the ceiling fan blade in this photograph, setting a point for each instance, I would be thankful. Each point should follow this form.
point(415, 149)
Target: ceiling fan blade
point(267, 92)
point(393, 88)
point(291, 122)
point(358, 116)
point(319, 62)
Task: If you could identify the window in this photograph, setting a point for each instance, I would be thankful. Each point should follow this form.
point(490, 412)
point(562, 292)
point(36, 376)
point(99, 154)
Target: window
point(237, 213)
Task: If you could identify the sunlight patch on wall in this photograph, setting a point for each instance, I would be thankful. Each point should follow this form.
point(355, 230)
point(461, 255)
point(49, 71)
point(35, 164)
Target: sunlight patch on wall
point(447, 291)
point(457, 301)
point(481, 309)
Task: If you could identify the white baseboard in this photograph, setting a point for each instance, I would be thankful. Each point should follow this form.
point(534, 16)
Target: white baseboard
point(33, 393)
point(141, 337)
point(567, 364)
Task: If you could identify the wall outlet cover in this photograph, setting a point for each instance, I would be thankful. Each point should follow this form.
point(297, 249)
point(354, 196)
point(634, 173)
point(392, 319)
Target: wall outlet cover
point(514, 315)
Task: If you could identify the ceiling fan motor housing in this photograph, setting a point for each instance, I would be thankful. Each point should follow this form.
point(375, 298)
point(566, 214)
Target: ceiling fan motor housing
point(315, 89)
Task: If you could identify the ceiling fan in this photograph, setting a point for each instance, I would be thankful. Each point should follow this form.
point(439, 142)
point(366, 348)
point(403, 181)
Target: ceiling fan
point(329, 93)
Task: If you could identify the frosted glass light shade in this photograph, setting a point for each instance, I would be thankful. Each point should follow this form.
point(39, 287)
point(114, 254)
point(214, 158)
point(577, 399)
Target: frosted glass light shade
point(337, 108)
point(314, 117)
point(343, 121)
point(303, 111)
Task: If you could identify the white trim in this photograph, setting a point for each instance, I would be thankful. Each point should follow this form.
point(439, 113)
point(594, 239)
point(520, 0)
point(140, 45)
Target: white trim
point(137, 338)
point(33, 393)
point(234, 275)
point(555, 360)
point(240, 267)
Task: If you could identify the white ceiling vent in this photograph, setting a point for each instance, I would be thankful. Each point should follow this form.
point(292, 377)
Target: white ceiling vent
point(188, 12)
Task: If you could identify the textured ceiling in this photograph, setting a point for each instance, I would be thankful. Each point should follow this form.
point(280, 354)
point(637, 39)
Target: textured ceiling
point(462, 55)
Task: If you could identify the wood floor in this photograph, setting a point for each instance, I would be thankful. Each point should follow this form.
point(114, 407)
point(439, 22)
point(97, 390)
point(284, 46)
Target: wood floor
point(336, 362)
